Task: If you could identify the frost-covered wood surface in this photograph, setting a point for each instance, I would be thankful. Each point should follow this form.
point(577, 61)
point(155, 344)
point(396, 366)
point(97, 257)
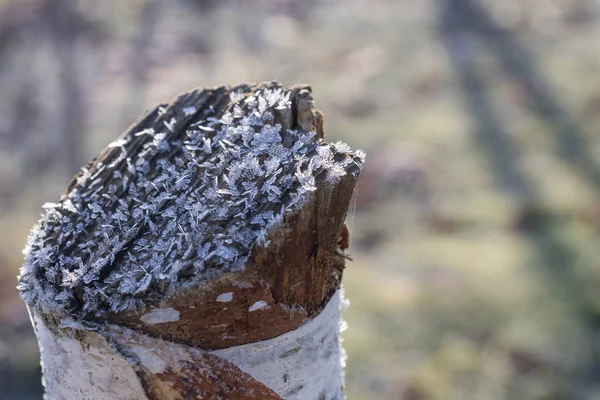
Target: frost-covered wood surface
point(212, 223)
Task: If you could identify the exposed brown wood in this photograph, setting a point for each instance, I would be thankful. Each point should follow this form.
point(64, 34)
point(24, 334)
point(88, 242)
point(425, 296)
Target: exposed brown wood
point(205, 376)
point(295, 276)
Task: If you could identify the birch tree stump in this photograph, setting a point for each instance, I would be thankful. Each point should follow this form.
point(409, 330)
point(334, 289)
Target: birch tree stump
point(198, 256)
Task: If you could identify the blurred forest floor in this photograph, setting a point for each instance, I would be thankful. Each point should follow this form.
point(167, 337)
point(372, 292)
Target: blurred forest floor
point(476, 221)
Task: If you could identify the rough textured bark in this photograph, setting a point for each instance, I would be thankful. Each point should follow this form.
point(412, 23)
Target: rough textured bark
point(199, 255)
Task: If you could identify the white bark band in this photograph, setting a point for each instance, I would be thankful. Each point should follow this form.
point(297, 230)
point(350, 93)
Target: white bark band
point(301, 364)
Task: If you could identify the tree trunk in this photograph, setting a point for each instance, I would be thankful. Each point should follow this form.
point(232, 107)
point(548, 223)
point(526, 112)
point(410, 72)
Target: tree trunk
point(199, 256)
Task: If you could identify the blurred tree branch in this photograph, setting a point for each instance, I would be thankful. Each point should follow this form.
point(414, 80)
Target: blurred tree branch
point(462, 24)
point(469, 19)
point(65, 23)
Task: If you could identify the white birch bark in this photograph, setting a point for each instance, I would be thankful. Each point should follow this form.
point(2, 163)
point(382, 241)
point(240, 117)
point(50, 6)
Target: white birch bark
point(305, 363)
point(80, 363)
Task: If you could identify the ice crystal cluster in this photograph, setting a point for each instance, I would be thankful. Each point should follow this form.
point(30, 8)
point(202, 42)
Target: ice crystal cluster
point(172, 206)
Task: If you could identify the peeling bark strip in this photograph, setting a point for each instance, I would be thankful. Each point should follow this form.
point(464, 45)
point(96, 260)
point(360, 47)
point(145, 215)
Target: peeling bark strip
point(198, 255)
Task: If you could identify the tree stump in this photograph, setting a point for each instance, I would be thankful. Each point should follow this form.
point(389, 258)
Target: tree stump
point(198, 256)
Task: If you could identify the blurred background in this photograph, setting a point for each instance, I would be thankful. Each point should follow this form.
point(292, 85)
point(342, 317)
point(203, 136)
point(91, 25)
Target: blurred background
point(475, 226)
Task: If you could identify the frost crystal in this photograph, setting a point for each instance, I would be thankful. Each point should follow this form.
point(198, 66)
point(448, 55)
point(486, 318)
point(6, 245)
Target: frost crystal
point(174, 199)
point(187, 111)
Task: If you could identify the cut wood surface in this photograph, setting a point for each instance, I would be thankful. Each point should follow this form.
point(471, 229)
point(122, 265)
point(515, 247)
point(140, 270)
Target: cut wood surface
point(211, 225)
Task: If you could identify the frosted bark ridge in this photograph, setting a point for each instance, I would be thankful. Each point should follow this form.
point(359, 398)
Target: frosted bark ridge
point(171, 207)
